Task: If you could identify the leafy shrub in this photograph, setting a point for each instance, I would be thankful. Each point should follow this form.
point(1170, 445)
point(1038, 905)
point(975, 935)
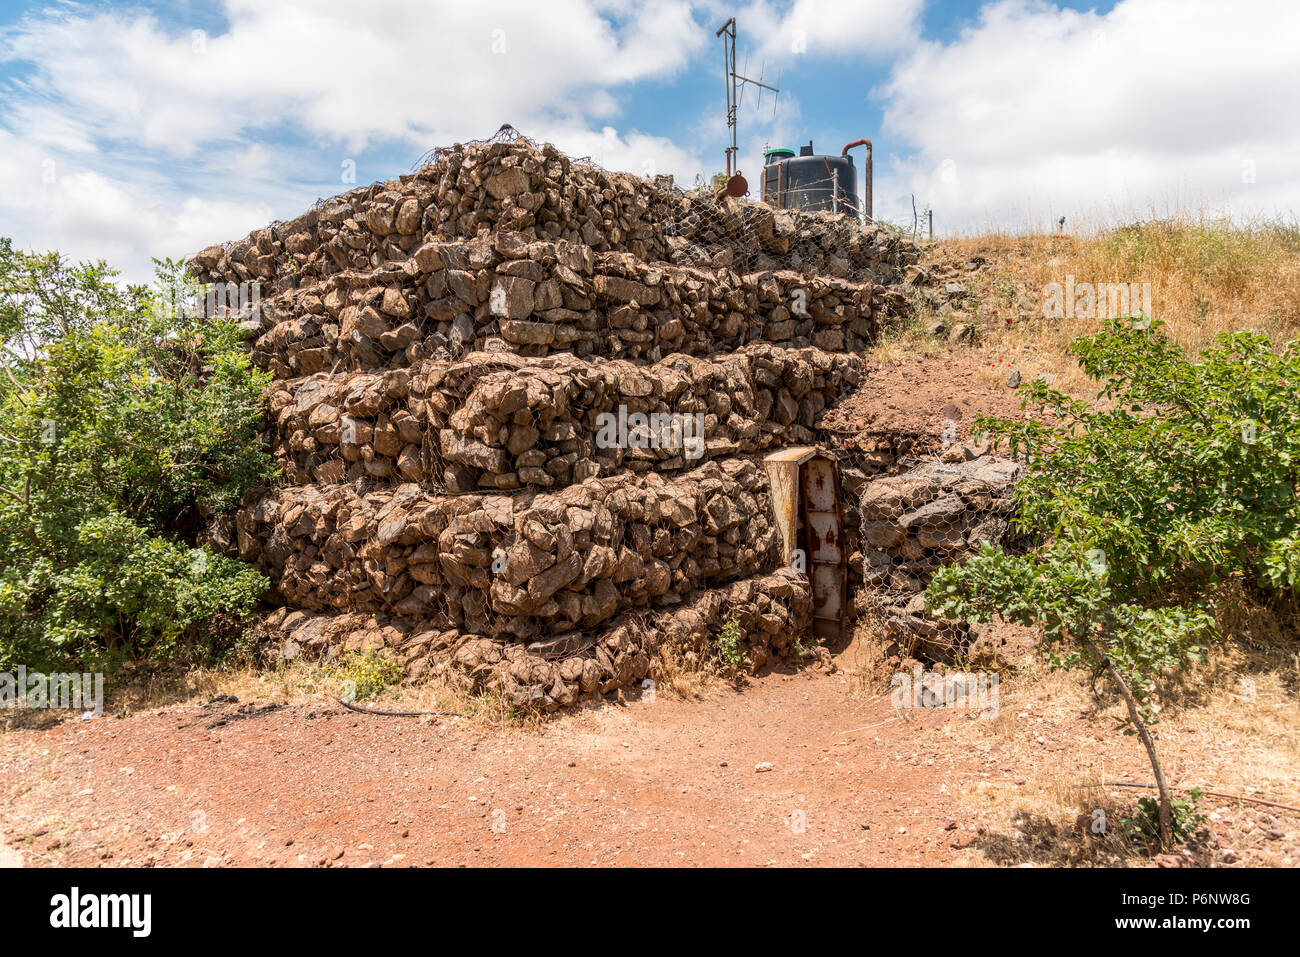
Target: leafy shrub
point(122, 426)
point(1184, 475)
point(1144, 825)
point(730, 640)
point(364, 674)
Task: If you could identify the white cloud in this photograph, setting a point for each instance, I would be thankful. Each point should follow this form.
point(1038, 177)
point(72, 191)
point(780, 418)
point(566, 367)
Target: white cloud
point(143, 118)
point(164, 140)
point(51, 204)
point(1036, 112)
point(837, 28)
point(388, 69)
point(633, 152)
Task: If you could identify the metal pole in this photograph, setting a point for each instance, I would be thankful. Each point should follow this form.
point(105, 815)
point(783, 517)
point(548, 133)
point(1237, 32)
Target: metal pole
point(734, 82)
point(835, 191)
point(728, 33)
point(867, 206)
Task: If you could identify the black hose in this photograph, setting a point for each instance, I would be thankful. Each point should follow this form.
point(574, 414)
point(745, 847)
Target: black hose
point(1184, 787)
point(400, 714)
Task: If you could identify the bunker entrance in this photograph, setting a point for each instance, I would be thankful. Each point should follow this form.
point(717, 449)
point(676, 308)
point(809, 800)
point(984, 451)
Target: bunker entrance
point(805, 487)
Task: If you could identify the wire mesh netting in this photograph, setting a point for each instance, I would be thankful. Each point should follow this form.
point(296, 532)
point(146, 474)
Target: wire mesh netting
point(934, 511)
point(508, 183)
point(744, 235)
point(506, 135)
point(479, 496)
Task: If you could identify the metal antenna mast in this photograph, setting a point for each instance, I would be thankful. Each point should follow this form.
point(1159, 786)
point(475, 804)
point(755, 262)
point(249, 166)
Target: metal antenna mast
point(735, 82)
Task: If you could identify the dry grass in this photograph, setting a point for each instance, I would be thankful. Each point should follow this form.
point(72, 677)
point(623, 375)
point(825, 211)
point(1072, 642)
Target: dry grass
point(1207, 276)
point(1228, 725)
point(687, 674)
point(695, 672)
point(691, 673)
point(907, 340)
point(298, 683)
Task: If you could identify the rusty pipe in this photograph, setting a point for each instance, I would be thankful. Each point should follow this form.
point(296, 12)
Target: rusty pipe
point(866, 191)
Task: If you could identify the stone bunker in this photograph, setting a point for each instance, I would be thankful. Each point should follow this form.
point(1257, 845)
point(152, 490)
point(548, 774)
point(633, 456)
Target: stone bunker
point(521, 407)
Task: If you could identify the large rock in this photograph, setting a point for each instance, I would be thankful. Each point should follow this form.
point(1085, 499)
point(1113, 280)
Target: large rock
point(917, 521)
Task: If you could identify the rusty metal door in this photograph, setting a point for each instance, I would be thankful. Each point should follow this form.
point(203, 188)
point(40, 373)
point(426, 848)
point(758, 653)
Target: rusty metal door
point(823, 532)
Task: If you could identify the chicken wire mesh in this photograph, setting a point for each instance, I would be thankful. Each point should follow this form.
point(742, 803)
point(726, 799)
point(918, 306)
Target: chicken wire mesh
point(931, 512)
point(743, 235)
point(746, 236)
point(393, 447)
point(505, 136)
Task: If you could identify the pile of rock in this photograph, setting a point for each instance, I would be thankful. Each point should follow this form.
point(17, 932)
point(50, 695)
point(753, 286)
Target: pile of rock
point(500, 187)
point(771, 610)
point(505, 294)
point(541, 194)
point(755, 237)
point(502, 422)
point(915, 522)
point(450, 352)
point(561, 421)
point(327, 429)
point(519, 566)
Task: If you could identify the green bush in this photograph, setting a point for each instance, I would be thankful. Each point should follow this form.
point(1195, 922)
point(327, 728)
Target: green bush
point(122, 427)
point(1144, 825)
point(731, 644)
point(363, 675)
point(1182, 476)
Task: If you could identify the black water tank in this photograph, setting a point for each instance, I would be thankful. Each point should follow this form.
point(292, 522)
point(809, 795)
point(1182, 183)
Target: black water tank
point(809, 181)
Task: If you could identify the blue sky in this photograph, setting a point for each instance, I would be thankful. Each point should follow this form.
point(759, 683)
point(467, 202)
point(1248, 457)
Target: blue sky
point(138, 129)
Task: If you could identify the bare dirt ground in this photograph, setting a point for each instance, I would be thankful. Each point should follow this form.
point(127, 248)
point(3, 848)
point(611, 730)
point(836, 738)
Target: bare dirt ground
point(814, 767)
point(650, 782)
point(917, 394)
point(794, 769)
point(779, 774)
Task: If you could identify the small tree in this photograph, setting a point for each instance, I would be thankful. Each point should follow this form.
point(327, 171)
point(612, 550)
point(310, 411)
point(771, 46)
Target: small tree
point(123, 422)
point(1184, 476)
